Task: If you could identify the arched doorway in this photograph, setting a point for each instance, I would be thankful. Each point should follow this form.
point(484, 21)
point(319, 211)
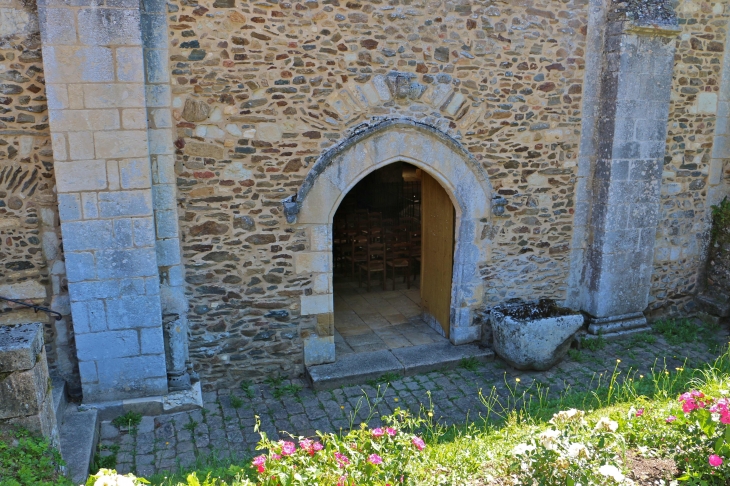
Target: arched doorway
point(312, 211)
point(393, 249)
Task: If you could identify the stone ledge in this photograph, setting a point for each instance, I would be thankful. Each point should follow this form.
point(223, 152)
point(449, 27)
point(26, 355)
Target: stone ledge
point(357, 368)
point(79, 436)
point(180, 401)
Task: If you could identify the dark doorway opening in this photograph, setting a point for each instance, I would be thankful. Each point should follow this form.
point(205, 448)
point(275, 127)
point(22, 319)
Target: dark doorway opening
point(377, 245)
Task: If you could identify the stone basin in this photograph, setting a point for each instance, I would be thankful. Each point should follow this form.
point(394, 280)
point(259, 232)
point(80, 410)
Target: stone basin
point(533, 343)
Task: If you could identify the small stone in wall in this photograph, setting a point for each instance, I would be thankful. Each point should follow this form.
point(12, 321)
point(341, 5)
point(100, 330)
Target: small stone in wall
point(261, 239)
point(209, 228)
point(195, 111)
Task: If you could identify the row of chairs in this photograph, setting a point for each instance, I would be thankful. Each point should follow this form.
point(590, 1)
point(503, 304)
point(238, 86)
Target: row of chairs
point(367, 243)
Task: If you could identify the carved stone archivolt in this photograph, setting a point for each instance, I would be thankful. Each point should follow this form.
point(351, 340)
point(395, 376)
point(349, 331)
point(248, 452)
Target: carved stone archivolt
point(393, 92)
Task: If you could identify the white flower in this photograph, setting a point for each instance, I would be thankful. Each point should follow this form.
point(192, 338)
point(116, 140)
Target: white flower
point(547, 439)
point(105, 481)
point(125, 481)
point(606, 424)
point(568, 416)
point(577, 450)
point(612, 472)
point(522, 448)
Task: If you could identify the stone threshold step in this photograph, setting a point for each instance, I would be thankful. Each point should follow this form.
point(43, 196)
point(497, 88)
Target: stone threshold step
point(79, 438)
point(358, 368)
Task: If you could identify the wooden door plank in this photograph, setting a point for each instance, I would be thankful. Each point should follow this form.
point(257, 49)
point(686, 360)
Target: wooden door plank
point(437, 251)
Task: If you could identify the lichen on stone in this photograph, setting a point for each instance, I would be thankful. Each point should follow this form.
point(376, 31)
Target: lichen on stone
point(647, 12)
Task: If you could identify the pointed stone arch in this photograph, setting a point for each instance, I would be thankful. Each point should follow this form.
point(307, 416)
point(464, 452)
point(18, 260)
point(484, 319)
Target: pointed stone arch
point(338, 170)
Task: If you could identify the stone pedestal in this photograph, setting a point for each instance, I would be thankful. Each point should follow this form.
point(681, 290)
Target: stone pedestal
point(25, 388)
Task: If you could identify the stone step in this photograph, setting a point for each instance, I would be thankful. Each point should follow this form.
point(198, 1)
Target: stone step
point(79, 437)
point(358, 368)
point(60, 400)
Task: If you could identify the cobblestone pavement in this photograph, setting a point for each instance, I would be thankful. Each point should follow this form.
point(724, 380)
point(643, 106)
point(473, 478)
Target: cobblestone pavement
point(225, 426)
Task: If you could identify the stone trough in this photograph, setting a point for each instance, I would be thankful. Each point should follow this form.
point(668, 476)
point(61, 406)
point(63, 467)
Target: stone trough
point(534, 336)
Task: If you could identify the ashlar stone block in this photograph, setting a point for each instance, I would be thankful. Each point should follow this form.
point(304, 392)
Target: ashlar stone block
point(20, 346)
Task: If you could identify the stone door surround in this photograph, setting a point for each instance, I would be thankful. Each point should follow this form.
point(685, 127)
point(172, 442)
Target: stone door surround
point(339, 169)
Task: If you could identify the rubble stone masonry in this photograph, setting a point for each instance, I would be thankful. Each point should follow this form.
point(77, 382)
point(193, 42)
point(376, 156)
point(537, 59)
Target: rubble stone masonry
point(179, 128)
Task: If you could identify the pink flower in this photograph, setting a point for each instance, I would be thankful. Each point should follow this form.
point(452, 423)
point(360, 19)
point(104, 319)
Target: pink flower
point(418, 442)
point(375, 459)
point(378, 432)
point(715, 460)
point(725, 417)
point(671, 419)
point(317, 446)
point(697, 394)
point(275, 456)
point(259, 462)
point(639, 412)
point(342, 460)
point(287, 448)
point(689, 405)
point(342, 481)
point(391, 431)
point(305, 444)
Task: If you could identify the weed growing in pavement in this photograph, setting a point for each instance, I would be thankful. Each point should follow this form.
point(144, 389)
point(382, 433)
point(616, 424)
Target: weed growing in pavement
point(247, 388)
point(576, 355)
point(683, 331)
point(283, 390)
point(385, 379)
point(191, 425)
point(105, 462)
point(469, 364)
point(274, 381)
point(235, 401)
point(593, 344)
point(130, 420)
point(641, 339)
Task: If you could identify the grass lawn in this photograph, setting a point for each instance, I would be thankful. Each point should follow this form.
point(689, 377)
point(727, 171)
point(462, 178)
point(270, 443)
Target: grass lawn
point(630, 429)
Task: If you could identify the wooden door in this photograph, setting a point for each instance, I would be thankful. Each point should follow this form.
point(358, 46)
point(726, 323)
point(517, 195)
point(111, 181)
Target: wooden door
point(437, 250)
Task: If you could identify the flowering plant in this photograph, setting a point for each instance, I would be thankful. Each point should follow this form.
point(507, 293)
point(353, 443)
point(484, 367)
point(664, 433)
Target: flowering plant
point(572, 451)
point(704, 449)
point(109, 477)
point(379, 456)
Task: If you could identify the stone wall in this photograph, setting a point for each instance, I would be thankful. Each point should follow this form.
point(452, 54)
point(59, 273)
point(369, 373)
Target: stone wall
point(31, 259)
point(261, 89)
point(25, 388)
point(692, 176)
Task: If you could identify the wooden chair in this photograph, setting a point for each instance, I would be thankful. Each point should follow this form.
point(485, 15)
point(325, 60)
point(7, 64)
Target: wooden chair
point(400, 257)
point(358, 252)
point(375, 263)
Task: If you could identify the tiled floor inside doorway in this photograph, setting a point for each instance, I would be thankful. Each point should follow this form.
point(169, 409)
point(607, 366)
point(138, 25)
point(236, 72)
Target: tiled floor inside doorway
point(371, 321)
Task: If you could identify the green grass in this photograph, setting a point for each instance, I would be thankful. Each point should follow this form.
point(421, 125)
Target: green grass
point(683, 331)
point(468, 453)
